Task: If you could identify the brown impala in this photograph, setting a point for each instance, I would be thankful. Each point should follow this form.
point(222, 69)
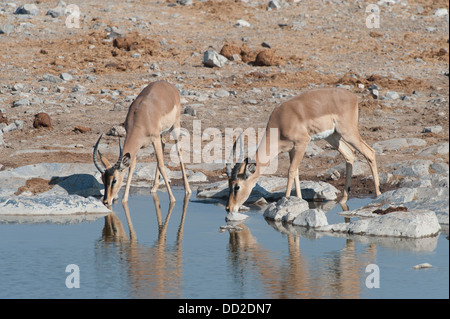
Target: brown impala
point(154, 111)
point(330, 114)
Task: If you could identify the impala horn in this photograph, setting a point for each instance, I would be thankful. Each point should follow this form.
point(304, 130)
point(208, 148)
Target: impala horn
point(241, 155)
point(119, 161)
point(96, 163)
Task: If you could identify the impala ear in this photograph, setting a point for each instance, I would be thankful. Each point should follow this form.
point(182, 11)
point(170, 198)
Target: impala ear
point(250, 168)
point(125, 161)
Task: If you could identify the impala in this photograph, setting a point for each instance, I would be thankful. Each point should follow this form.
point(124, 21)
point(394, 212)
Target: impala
point(155, 111)
point(328, 113)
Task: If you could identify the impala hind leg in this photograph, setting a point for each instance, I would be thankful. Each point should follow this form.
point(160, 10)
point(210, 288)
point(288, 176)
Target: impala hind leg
point(349, 155)
point(369, 154)
point(176, 134)
point(157, 144)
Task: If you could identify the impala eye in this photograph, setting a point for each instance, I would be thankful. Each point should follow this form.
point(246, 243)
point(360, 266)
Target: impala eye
point(236, 188)
point(114, 181)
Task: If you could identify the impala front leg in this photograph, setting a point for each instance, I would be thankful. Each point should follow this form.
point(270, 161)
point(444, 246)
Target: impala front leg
point(296, 156)
point(130, 175)
point(154, 189)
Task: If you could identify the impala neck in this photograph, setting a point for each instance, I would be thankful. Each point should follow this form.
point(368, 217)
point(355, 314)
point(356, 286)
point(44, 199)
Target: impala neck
point(267, 150)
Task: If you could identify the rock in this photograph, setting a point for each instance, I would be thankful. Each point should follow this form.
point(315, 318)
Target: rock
point(30, 9)
point(3, 118)
point(197, 177)
point(242, 23)
point(6, 29)
point(409, 224)
point(273, 188)
point(44, 204)
point(2, 142)
point(375, 93)
point(318, 191)
point(442, 12)
point(79, 88)
point(42, 120)
point(222, 93)
point(396, 196)
point(81, 129)
point(437, 149)
point(19, 124)
point(54, 13)
point(117, 130)
point(311, 218)
point(51, 78)
point(235, 217)
point(359, 168)
point(391, 95)
point(213, 59)
point(189, 110)
point(66, 76)
point(432, 129)
point(229, 50)
point(185, 2)
point(414, 168)
point(421, 266)
point(9, 128)
point(273, 4)
point(396, 144)
point(293, 206)
point(416, 224)
point(22, 102)
point(267, 58)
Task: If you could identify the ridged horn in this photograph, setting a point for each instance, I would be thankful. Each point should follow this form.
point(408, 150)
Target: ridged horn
point(119, 161)
point(96, 163)
point(230, 159)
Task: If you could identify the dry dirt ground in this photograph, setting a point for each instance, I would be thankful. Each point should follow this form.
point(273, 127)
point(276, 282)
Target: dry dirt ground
point(312, 44)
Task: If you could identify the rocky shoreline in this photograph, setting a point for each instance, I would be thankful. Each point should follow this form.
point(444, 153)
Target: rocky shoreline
point(77, 188)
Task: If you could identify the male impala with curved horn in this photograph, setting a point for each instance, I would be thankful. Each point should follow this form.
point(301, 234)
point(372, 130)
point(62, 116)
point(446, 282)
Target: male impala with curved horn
point(328, 113)
point(155, 110)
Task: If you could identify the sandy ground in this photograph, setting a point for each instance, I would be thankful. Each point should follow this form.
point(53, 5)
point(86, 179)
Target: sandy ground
point(312, 44)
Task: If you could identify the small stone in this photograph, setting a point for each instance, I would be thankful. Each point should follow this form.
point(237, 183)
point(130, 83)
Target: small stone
point(78, 88)
point(273, 4)
point(222, 93)
point(391, 95)
point(6, 29)
point(213, 59)
point(66, 76)
point(421, 266)
point(375, 93)
point(197, 177)
point(185, 2)
point(442, 12)
point(28, 8)
point(17, 87)
point(242, 23)
point(190, 111)
point(42, 120)
point(51, 78)
point(22, 102)
point(432, 129)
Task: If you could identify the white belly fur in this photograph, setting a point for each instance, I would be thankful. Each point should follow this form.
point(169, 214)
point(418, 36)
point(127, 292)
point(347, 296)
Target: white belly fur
point(324, 134)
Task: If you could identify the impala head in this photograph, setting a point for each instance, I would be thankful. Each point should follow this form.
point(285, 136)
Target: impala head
point(112, 176)
point(241, 180)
